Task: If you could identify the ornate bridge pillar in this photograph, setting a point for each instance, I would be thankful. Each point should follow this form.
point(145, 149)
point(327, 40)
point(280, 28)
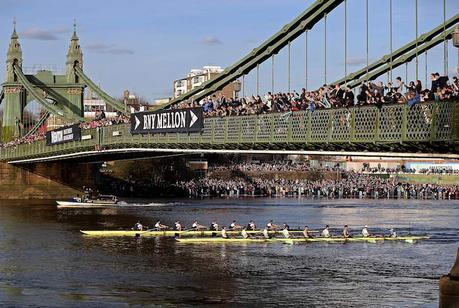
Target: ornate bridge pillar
point(75, 86)
point(14, 99)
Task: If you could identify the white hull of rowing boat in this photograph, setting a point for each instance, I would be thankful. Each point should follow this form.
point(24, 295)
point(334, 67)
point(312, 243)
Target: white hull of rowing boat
point(85, 205)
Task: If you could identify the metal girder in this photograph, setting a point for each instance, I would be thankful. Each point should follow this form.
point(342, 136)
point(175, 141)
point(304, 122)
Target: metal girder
point(422, 39)
point(103, 95)
point(403, 59)
point(288, 33)
point(38, 124)
point(49, 107)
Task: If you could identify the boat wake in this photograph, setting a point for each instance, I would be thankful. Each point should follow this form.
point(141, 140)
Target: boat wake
point(151, 204)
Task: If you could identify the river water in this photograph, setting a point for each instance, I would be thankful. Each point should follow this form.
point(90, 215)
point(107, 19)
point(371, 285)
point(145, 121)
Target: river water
point(45, 261)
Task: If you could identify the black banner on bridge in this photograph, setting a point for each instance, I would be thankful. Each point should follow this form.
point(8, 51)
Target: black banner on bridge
point(64, 134)
point(167, 121)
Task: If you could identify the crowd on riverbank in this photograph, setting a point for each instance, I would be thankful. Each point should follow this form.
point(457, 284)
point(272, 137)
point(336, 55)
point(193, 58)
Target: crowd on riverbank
point(348, 185)
point(270, 166)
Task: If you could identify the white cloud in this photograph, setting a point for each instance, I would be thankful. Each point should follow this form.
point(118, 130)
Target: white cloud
point(211, 40)
point(36, 33)
point(109, 49)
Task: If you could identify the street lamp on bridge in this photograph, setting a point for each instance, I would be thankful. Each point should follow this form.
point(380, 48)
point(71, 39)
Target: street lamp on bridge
point(456, 44)
point(456, 37)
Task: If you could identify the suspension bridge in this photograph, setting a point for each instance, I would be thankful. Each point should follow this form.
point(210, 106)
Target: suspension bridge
point(427, 129)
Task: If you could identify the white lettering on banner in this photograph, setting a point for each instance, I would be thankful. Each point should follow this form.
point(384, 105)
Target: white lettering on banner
point(159, 123)
point(149, 121)
point(182, 117)
point(57, 136)
point(62, 135)
point(145, 121)
point(164, 121)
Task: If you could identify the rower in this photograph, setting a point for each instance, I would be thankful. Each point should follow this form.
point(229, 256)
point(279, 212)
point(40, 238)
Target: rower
point(306, 232)
point(266, 233)
point(234, 226)
point(244, 233)
point(224, 234)
point(271, 226)
point(346, 233)
point(365, 232)
point(138, 226)
point(326, 231)
point(160, 227)
point(285, 231)
point(178, 226)
point(392, 233)
point(196, 226)
point(77, 198)
point(214, 226)
point(252, 226)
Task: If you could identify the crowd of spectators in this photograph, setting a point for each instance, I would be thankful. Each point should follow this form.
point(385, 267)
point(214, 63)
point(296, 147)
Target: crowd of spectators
point(102, 121)
point(348, 185)
point(24, 140)
point(268, 167)
point(99, 121)
point(331, 96)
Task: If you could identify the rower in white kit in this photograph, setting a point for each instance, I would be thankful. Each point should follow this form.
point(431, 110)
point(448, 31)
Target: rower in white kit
point(365, 232)
point(285, 232)
point(197, 227)
point(326, 231)
point(161, 227)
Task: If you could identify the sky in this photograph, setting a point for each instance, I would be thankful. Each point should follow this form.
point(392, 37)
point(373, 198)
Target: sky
point(143, 45)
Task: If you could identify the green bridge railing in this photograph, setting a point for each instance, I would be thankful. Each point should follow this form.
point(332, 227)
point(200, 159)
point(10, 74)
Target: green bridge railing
point(428, 128)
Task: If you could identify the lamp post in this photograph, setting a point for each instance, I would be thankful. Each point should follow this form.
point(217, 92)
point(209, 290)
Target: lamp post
point(456, 44)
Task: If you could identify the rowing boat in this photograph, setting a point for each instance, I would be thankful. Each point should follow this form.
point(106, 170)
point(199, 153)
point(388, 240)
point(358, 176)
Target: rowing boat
point(408, 239)
point(154, 233)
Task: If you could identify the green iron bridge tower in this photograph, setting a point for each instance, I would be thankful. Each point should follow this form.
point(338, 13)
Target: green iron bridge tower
point(61, 96)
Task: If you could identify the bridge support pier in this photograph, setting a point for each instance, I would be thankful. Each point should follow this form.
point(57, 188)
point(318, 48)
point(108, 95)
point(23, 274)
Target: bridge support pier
point(449, 287)
point(12, 113)
point(47, 181)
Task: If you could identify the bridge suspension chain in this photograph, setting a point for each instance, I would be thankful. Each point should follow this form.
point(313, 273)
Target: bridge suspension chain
point(107, 98)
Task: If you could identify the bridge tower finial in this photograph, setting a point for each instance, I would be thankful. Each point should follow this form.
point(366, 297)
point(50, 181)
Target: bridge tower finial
point(74, 56)
point(14, 35)
point(74, 36)
point(14, 55)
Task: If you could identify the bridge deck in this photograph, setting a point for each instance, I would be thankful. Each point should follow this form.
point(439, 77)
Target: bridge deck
point(424, 128)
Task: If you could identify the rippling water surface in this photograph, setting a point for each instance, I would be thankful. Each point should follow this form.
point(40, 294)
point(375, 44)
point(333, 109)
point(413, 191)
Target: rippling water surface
point(45, 261)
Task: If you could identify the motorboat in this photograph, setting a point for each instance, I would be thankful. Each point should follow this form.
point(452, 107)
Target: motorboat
point(101, 201)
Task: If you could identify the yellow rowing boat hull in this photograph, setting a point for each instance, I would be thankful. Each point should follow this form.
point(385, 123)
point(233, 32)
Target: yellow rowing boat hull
point(409, 239)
